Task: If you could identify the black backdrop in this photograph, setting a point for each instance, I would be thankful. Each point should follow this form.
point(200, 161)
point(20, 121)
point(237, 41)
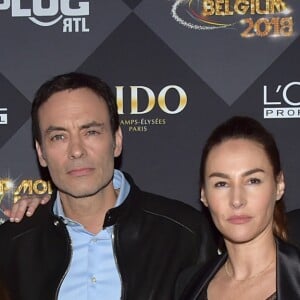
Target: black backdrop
point(176, 73)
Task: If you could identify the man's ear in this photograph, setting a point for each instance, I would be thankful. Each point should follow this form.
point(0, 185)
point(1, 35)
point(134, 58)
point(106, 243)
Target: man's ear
point(203, 198)
point(280, 186)
point(40, 154)
point(118, 142)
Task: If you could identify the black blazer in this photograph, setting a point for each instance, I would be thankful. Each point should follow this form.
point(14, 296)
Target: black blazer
point(293, 223)
point(194, 280)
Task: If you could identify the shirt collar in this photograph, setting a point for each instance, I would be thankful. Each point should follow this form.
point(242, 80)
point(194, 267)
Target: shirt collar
point(119, 182)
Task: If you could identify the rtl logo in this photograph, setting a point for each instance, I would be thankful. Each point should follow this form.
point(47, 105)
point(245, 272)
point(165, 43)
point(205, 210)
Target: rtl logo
point(72, 15)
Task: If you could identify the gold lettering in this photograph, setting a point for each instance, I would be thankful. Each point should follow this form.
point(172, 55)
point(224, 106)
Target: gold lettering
point(222, 7)
point(120, 99)
point(208, 8)
point(278, 5)
point(228, 12)
point(182, 99)
point(287, 26)
point(40, 187)
point(25, 186)
point(241, 6)
point(218, 7)
point(259, 10)
point(134, 99)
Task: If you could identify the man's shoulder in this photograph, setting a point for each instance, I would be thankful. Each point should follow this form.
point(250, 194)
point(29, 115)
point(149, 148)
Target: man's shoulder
point(156, 202)
point(176, 220)
point(28, 224)
point(162, 203)
point(173, 210)
point(165, 210)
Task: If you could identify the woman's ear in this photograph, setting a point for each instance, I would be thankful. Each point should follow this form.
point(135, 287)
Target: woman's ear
point(280, 186)
point(203, 198)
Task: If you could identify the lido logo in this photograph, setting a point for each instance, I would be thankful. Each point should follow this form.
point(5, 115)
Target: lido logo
point(170, 93)
point(137, 102)
point(73, 16)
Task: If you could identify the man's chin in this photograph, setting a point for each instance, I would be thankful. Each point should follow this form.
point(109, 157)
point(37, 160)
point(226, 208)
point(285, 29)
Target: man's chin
point(79, 194)
point(83, 189)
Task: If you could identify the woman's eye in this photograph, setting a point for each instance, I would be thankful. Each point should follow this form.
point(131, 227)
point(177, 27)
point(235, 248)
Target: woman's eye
point(254, 181)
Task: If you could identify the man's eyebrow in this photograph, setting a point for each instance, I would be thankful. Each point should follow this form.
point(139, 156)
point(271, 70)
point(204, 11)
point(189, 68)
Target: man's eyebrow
point(84, 126)
point(92, 124)
point(55, 128)
point(245, 174)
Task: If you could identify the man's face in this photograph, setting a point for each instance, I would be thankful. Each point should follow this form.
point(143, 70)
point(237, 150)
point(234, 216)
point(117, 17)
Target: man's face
point(77, 144)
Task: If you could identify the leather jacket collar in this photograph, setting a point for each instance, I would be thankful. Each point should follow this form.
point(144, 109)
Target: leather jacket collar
point(288, 273)
point(114, 214)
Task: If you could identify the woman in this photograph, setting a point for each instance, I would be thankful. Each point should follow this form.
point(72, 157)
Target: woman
point(242, 187)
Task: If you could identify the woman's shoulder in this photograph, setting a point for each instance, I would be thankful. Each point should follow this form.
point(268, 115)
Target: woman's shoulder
point(289, 249)
point(288, 270)
point(293, 224)
point(192, 281)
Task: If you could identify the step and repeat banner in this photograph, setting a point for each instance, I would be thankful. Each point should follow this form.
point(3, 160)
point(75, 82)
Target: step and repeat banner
point(178, 68)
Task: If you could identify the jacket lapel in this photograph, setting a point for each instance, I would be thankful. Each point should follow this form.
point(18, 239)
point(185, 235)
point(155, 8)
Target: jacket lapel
point(288, 271)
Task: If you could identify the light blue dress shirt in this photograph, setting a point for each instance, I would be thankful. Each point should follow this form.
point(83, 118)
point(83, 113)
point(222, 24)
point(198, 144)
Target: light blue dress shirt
point(93, 273)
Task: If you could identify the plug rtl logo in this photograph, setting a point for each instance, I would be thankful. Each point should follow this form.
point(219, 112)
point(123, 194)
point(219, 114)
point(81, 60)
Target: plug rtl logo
point(72, 16)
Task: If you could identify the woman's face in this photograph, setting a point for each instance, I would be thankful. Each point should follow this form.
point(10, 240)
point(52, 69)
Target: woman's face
point(240, 189)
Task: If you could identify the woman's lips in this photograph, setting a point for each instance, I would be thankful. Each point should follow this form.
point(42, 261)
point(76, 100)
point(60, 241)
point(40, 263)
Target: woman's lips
point(239, 219)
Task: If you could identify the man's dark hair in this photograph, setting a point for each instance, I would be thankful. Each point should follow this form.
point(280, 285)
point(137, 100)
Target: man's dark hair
point(73, 81)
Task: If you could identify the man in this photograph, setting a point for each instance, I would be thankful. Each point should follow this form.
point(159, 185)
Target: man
point(100, 236)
